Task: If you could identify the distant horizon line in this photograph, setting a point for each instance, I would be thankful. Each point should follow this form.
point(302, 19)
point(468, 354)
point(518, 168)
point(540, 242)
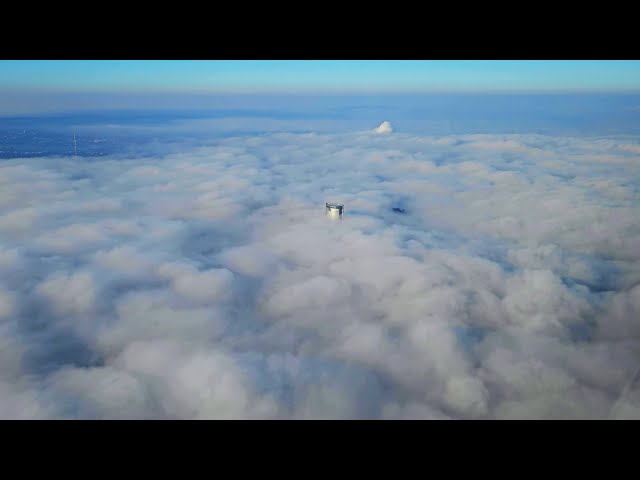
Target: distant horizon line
point(299, 92)
point(30, 103)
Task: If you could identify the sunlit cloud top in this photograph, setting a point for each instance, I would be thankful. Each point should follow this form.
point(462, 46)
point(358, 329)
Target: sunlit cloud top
point(320, 76)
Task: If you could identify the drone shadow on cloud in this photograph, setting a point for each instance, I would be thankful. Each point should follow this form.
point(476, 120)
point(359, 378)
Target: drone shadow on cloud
point(472, 276)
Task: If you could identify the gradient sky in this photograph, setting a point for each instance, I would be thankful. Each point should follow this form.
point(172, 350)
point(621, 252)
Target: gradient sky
point(319, 76)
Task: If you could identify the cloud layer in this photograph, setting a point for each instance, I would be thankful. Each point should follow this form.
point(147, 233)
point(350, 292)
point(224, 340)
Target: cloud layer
point(472, 276)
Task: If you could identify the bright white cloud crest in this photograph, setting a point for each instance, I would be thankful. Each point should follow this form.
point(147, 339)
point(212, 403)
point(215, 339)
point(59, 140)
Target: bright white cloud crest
point(384, 127)
point(478, 276)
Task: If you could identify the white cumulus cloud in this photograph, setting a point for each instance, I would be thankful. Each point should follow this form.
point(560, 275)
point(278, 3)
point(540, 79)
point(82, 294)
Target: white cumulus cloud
point(471, 276)
point(384, 127)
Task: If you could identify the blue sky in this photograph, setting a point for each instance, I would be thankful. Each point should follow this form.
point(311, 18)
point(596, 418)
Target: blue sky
point(319, 76)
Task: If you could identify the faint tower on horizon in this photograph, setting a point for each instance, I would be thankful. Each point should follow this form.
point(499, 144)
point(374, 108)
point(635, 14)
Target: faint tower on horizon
point(75, 146)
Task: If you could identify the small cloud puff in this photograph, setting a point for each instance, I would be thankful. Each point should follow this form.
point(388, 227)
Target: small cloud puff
point(384, 127)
